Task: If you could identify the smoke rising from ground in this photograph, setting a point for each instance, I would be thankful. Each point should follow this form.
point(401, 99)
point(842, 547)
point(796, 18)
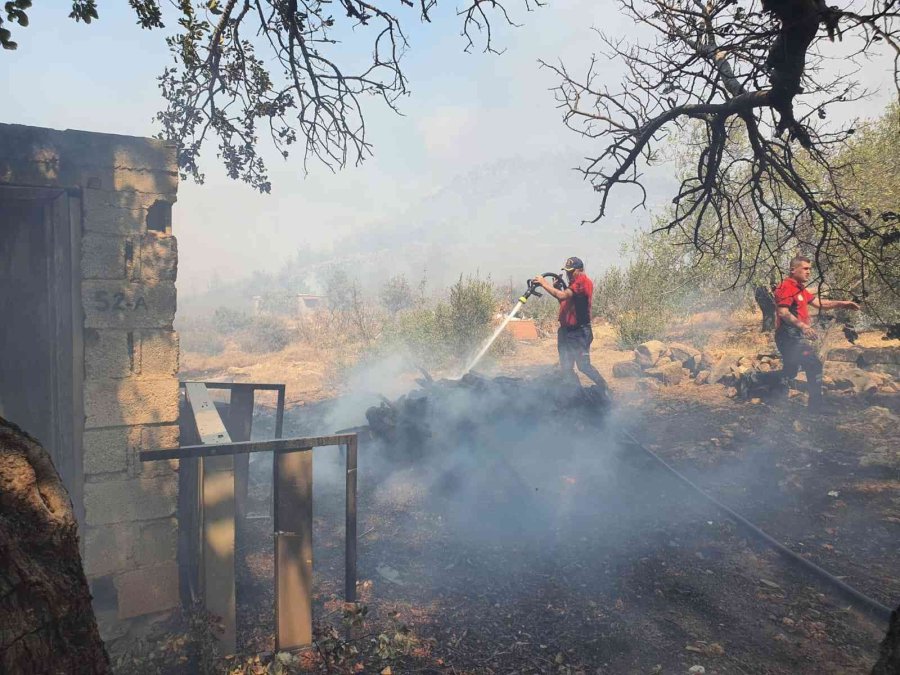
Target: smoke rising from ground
point(518, 465)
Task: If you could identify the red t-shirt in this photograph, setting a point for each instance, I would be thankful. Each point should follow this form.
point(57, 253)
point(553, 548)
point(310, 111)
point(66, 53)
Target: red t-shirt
point(576, 311)
point(792, 295)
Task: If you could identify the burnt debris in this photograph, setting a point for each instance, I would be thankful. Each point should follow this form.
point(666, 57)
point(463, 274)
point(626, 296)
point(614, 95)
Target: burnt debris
point(452, 410)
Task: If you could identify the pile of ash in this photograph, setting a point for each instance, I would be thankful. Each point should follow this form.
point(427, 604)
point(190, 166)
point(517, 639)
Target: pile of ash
point(454, 410)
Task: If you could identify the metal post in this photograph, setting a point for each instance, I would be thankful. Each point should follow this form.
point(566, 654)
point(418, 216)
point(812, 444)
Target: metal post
point(218, 545)
point(350, 526)
point(217, 516)
point(240, 427)
point(279, 429)
point(279, 413)
point(292, 487)
point(292, 497)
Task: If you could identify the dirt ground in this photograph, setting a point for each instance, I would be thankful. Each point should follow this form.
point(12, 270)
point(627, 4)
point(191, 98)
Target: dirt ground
point(608, 567)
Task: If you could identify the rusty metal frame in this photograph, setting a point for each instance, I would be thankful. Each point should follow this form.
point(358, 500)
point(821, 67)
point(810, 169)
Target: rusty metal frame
point(279, 388)
point(292, 497)
point(239, 423)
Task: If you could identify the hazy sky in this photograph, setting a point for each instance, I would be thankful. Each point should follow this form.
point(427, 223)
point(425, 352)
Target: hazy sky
point(465, 111)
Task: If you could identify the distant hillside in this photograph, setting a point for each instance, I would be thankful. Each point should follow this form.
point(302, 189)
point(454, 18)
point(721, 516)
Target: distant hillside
point(509, 219)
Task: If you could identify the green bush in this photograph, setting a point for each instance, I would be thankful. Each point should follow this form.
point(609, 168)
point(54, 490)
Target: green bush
point(451, 330)
point(265, 334)
point(397, 295)
point(418, 332)
point(467, 318)
point(633, 328)
point(611, 294)
point(662, 281)
point(228, 321)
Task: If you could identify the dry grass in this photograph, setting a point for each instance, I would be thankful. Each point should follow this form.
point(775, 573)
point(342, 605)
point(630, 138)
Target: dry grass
point(308, 372)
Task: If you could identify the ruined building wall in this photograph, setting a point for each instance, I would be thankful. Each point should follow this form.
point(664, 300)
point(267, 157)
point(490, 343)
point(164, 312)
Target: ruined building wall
point(120, 194)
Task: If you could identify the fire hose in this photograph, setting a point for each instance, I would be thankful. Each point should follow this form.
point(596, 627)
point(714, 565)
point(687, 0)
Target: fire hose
point(871, 607)
point(558, 283)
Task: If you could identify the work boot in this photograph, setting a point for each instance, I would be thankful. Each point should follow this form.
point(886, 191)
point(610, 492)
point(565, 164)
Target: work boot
point(817, 405)
point(816, 400)
point(781, 387)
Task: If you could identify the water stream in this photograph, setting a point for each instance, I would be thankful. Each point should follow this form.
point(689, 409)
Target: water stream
point(487, 345)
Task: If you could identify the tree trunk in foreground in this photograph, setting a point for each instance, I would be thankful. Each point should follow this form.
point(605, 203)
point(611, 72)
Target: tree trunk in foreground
point(889, 652)
point(47, 624)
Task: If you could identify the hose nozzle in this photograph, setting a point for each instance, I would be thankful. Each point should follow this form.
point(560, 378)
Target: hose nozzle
point(533, 286)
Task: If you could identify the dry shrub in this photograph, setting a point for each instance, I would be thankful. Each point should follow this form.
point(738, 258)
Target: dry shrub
point(207, 343)
point(227, 321)
point(199, 335)
point(321, 327)
point(265, 334)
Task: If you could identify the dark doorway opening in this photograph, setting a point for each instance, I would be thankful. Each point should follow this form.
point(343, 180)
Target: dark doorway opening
point(41, 354)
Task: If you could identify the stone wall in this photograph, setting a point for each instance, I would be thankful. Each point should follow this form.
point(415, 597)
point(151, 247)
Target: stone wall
point(124, 188)
point(863, 370)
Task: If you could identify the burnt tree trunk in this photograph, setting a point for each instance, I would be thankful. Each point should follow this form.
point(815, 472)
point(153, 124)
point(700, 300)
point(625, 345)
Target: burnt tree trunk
point(889, 653)
point(766, 302)
point(47, 624)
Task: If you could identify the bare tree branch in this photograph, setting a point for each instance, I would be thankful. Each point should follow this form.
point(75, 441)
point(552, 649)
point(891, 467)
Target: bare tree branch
point(303, 69)
point(737, 83)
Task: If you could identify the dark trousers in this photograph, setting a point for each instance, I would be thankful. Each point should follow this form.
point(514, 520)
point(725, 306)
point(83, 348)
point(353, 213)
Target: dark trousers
point(574, 346)
point(798, 352)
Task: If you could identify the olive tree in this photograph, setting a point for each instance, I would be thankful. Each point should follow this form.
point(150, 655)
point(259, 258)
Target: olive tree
point(752, 83)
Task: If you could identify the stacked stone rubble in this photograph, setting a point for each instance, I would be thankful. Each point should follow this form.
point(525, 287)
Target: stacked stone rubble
point(863, 370)
point(851, 370)
point(661, 364)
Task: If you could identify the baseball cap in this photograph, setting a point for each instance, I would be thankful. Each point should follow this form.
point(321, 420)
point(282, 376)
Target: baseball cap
point(573, 263)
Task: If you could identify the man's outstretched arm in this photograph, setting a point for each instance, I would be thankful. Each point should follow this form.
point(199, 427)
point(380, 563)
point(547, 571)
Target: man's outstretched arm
point(821, 303)
point(555, 292)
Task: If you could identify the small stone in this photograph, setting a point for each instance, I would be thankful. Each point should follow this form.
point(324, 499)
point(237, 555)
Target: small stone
point(844, 354)
point(648, 385)
point(669, 373)
point(721, 371)
point(626, 369)
point(649, 353)
point(685, 354)
point(707, 361)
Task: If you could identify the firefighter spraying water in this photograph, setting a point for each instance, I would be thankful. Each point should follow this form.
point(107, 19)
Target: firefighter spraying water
point(533, 287)
point(575, 334)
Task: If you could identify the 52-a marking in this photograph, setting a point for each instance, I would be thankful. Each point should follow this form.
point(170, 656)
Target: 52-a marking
point(103, 302)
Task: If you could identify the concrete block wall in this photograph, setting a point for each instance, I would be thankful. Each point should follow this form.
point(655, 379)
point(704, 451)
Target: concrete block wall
point(125, 187)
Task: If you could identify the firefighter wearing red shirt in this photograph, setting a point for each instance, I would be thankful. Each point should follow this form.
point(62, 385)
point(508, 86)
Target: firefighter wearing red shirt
point(794, 333)
point(575, 335)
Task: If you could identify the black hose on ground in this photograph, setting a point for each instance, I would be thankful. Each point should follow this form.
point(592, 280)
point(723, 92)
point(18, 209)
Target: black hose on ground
point(866, 604)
